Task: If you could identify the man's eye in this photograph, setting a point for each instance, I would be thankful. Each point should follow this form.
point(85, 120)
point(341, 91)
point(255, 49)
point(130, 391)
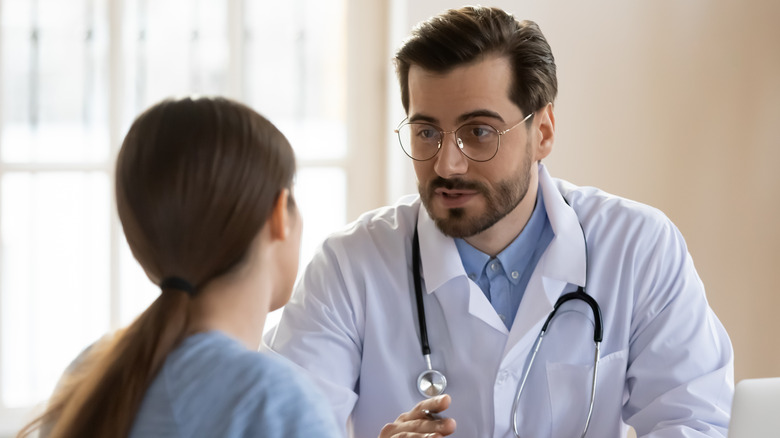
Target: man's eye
point(426, 133)
point(472, 134)
point(479, 131)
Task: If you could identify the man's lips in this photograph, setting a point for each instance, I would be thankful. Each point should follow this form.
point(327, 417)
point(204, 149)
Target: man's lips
point(454, 193)
point(454, 198)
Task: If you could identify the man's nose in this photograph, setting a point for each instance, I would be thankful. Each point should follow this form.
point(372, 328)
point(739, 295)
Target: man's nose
point(450, 161)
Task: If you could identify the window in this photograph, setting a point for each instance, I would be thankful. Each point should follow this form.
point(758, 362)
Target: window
point(73, 75)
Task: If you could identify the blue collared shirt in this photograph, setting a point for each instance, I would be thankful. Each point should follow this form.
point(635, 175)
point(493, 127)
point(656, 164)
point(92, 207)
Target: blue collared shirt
point(504, 278)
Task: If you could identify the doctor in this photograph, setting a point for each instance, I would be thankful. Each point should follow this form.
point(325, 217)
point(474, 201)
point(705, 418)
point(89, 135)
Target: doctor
point(500, 241)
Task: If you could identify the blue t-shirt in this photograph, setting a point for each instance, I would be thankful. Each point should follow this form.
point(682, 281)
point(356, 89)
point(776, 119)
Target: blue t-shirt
point(212, 386)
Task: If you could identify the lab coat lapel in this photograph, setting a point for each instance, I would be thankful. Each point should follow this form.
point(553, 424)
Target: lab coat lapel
point(562, 263)
point(442, 269)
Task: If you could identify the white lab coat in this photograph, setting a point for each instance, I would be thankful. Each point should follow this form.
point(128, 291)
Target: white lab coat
point(666, 361)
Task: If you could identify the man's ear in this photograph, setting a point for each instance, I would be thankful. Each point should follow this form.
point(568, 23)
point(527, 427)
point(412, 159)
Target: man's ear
point(279, 222)
point(546, 132)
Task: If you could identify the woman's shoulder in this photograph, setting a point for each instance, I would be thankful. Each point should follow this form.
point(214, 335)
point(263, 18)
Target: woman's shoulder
point(213, 358)
point(258, 393)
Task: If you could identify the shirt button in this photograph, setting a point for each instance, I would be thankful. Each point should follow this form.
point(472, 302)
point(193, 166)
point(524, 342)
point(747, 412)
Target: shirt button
point(503, 318)
point(502, 377)
point(473, 277)
point(515, 274)
point(494, 266)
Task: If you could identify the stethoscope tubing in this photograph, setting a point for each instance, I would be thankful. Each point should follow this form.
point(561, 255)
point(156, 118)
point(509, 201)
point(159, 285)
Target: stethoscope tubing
point(430, 382)
point(426, 348)
point(598, 335)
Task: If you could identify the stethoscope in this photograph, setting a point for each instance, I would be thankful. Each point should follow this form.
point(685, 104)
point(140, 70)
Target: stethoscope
point(431, 382)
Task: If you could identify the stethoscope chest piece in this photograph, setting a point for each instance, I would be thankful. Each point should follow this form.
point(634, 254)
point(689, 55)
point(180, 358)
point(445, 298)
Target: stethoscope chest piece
point(431, 383)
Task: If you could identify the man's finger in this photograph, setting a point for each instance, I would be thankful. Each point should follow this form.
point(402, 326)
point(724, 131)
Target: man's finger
point(433, 405)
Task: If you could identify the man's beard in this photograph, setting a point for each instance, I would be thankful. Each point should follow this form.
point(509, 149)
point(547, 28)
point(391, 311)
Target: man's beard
point(498, 203)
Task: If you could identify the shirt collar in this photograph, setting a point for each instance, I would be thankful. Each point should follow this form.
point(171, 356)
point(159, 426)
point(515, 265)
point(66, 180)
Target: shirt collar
point(515, 256)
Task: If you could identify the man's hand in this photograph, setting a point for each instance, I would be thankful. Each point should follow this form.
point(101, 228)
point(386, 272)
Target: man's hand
point(422, 421)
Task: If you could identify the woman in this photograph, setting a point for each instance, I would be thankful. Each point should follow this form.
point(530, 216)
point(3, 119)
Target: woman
point(203, 189)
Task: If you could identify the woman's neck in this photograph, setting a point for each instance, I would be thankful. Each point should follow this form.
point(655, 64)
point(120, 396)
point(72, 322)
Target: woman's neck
point(236, 308)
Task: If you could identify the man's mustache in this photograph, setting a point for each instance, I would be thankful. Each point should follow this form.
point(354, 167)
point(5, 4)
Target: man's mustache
point(454, 184)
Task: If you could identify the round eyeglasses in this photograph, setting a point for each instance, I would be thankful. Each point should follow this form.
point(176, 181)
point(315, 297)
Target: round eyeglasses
point(477, 141)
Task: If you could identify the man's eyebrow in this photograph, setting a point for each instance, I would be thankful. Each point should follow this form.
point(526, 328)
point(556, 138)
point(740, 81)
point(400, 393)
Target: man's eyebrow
point(417, 118)
point(480, 113)
point(423, 118)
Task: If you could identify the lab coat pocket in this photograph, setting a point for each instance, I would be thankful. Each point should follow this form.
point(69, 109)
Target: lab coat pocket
point(570, 392)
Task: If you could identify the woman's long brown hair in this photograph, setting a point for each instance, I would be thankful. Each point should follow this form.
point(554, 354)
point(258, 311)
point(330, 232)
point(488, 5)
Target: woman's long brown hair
point(196, 180)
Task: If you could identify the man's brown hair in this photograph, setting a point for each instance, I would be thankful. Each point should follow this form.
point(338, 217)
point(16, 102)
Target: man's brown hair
point(461, 36)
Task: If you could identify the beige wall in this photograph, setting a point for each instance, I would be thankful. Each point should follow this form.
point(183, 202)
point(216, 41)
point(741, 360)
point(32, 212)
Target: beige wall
point(677, 104)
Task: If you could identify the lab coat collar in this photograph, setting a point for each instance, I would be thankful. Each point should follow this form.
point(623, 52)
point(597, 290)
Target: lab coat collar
point(441, 264)
point(440, 258)
point(565, 258)
point(563, 262)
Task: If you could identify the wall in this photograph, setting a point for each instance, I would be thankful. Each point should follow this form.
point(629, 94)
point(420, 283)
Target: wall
point(674, 104)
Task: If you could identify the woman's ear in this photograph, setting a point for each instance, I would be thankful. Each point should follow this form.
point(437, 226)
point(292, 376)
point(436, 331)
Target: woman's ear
point(546, 132)
point(279, 222)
